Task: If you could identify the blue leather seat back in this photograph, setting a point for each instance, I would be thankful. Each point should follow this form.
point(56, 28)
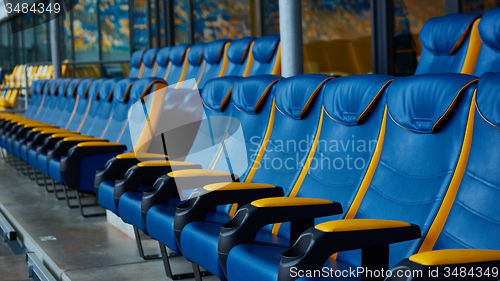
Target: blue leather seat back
point(121, 105)
point(194, 62)
point(252, 104)
point(61, 102)
point(473, 220)
point(426, 120)
point(149, 62)
point(489, 32)
point(93, 108)
point(104, 111)
point(72, 102)
point(265, 53)
point(217, 109)
point(176, 64)
point(140, 89)
point(51, 100)
point(445, 41)
point(213, 61)
point(162, 59)
point(35, 98)
point(44, 103)
point(82, 105)
point(353, 112)
point(298, 106)
point(238, 57)
point(136, 66)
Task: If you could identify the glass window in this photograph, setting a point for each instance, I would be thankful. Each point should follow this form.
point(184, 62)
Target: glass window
point(140, 30)
point(478, 6)
point(85, 31)
point(216, 19)
point(271, 17)
point(409, 17)
point(115, 30)
point(337, 27)
point(181, 21)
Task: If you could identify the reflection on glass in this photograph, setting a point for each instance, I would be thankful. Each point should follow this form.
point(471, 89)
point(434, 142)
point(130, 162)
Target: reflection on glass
point(409, 17)
point(115, 29)
point(181, 21)
point(478, 6)
point(85, 29)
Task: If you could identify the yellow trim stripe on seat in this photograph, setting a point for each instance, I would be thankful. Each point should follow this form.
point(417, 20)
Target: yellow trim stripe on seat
point(440, 219)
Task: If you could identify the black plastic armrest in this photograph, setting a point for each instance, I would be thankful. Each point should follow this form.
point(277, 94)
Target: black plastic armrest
point(166, 186)
point(70, 164)
point(199, 205)
point(456, 264)
point(251, 218)
point(145, 174)
point(62, 147)
point(318, 243)
point(48, 144)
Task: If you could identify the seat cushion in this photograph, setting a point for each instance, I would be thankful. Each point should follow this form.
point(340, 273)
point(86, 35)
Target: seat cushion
point(199, 241)
point(129, 208)
point(105, 196)
point(42, 163)
point(160, 223)
point(261, 262)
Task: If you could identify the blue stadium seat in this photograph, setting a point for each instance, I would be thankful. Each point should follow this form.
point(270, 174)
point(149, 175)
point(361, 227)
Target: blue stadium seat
point(467, 236)
point(239, 59)
point(266, 55)
point(489, 55)
point(449, 44)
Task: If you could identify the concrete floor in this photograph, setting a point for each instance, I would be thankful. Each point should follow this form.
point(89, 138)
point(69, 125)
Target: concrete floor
point(72, 247)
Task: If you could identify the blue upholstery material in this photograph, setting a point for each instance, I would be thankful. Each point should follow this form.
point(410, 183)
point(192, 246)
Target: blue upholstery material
point(51, 100)
point(194, 59)
point(72, 101)
point(135, 64)
point(176, 64)
point(61, 103)
point(83, 105)
point(237, 55)
point(445, 41)
point(213, 57)
point(129, 208)
point(418, 108)
point(335, 179)
point(160, 224)
point(95, 102)
point(489, 32)
point(217, 93)
point(149, 62)
point(473, 220)
point(106, 189)
point(214, 51)
point(248, 123)
point(264, 52)
point(104, 109)
point(88, 166)
point(415, 169)
point(162, 60)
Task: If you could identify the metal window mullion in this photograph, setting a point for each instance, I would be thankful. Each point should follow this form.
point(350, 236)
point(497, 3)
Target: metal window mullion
point(382, 17)
point(169, 22)
point(190, 22)
point(99, 34)
point(157, 26)
point(72, 30)
point(148, 24)
point(131, 26)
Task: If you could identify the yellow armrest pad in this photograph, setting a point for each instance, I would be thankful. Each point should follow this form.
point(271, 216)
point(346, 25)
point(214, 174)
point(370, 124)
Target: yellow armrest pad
point(141, 155)
point(68, 134)
point(456, 256)
point(359, 224)
point(236, 186)
point(197, 173)
point(163, 163)
point(45, 130)
point(97, 143)
point(289, 201)
point(38, 125)
point(81, 138)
